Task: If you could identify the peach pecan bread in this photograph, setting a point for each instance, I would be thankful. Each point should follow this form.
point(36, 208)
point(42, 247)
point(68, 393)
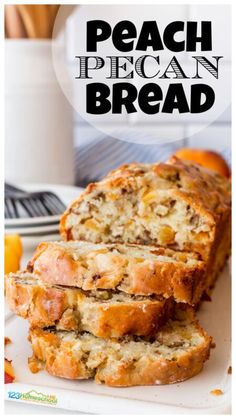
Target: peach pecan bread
point(103, 313)
point(176, 353)
point(142, 270)
point(178, 204)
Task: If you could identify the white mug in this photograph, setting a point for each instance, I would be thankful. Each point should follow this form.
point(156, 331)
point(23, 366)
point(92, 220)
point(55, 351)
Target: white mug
point(38, 117)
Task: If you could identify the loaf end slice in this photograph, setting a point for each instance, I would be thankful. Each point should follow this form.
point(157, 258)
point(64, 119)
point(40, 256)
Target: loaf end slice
point(177, 353)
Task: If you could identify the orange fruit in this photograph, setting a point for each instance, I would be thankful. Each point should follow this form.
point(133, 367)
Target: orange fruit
point(13, 252)
point(206, 158)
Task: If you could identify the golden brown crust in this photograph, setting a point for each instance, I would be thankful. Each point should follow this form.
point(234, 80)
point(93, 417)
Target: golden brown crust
point(104, 269)
point(219, 255)
point(73, 309)
point(210, 190)
point(81, 357)
point(180, 175)
point(164, 372)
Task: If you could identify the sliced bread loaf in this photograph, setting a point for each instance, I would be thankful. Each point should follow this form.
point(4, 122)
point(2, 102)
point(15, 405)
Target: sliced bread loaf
point(177, 353)
point(179, 205)
point(103, 313)
point(133, 269)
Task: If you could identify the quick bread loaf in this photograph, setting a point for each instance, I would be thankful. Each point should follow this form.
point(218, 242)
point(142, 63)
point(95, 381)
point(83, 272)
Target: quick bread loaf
point(177, 205)
point(113, 300)
point(104, 313)
point(141, 270)
point(177, 353)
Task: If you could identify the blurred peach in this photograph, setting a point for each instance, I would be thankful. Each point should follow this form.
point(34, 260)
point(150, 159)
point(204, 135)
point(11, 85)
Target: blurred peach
point(206, 158)
point(13, 252)
point(9, 375)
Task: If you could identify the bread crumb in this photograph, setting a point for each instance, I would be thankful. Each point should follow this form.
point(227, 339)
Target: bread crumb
point(7, 340)
point(229, 370)
point(34, 364)
point(158, 382)
point(217, 392)
point(206, 297)
point(213, 345)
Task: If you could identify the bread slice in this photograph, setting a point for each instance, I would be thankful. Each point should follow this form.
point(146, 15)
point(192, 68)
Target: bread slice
point(177, 353)
point(179, 205)
point(132, 269)
point(105, 314)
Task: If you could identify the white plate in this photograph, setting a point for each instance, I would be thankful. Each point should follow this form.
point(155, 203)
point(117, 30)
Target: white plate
point(190, 397)
point(42, 225)
point(12, 222)
point(33, 231)
point(65, 192)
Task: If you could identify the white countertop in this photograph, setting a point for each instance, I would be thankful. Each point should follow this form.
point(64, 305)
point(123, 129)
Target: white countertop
point(13, 408)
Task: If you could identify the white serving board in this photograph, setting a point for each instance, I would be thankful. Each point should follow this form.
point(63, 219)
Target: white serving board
point(190, 397)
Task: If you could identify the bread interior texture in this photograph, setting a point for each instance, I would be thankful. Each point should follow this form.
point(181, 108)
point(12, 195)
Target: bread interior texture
point(143, 217)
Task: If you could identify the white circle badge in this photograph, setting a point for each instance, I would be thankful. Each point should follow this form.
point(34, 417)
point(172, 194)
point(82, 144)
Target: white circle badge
point(138, 73)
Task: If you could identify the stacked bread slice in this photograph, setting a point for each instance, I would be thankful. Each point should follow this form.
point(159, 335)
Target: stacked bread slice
point(115, 301)
point(176, 352)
